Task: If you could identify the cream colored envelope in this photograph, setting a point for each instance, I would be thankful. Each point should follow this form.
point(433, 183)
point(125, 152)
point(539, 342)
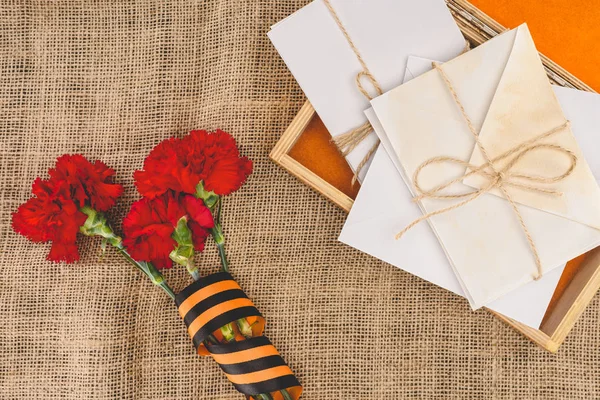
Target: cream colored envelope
point(483, 240)
point(525, 106)
point(384, 202)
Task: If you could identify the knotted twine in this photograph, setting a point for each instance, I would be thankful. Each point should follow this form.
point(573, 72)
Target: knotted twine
point(348, 141)
point(498, 178)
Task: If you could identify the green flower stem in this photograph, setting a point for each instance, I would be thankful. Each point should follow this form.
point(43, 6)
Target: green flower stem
point(220, 204)
point(285, 394)
point(214, 202)
point(217, 234)
point(193, 270)
point(228, 332)
point(97, 225)
point(244, 327)
point(151, 272)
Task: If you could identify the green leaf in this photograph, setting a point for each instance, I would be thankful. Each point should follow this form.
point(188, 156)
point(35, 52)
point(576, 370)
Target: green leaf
point(103, 244)
point(182, 255)
point(182, 234)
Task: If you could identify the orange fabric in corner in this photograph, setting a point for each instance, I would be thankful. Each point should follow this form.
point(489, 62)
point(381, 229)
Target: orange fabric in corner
point(567, 31)
point(571, 269)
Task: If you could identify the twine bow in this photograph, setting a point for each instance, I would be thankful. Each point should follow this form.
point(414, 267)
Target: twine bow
point(499, 178)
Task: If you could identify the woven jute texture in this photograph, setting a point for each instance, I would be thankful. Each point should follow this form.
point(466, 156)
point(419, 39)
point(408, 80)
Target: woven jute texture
point(110, 80)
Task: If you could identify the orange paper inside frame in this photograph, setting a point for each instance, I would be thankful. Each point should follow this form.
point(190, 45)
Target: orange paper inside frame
point(567, 31)
point(314, 150)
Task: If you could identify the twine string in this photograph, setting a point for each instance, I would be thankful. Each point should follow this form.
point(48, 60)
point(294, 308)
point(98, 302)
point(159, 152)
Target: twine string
point(365, 70)
point(499, 178)
point(348, 141)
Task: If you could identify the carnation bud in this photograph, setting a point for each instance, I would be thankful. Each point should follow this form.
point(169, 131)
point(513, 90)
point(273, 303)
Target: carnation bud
point(96, 224)
point(183, 254)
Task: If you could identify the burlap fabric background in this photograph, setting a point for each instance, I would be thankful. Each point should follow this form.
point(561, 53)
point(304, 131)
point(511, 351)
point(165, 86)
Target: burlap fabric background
point(110, 80)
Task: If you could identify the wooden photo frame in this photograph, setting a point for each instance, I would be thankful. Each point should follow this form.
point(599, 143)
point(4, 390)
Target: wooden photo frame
point(581, 278)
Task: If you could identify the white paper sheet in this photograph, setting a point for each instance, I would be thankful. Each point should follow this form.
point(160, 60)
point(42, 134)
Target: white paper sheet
point(386, 32)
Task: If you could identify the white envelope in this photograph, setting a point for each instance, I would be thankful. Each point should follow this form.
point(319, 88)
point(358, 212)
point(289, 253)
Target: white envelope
point(483, 240)
point(384, 202)
point(385, 32)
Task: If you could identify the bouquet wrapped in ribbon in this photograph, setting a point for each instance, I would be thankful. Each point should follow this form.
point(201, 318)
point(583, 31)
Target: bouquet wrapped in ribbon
point(182, 185)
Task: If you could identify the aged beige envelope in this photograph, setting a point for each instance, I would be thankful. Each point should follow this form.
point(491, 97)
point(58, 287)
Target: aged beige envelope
point(524, 107)
point(483, 240)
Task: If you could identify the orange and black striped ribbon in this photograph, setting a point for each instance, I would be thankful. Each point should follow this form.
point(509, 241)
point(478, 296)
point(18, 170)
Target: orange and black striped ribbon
point(253, 365)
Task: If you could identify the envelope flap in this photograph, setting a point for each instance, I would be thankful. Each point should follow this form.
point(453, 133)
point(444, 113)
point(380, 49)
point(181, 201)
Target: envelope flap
point(524, 107)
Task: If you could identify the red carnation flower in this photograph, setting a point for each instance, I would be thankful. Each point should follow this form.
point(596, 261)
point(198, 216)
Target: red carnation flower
point(89, 183)
point(180, 164)
point(149, 226)
point(54, 213)
point(53, 216)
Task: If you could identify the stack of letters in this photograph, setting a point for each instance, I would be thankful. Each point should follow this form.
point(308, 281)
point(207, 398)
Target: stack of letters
point(492, 170)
